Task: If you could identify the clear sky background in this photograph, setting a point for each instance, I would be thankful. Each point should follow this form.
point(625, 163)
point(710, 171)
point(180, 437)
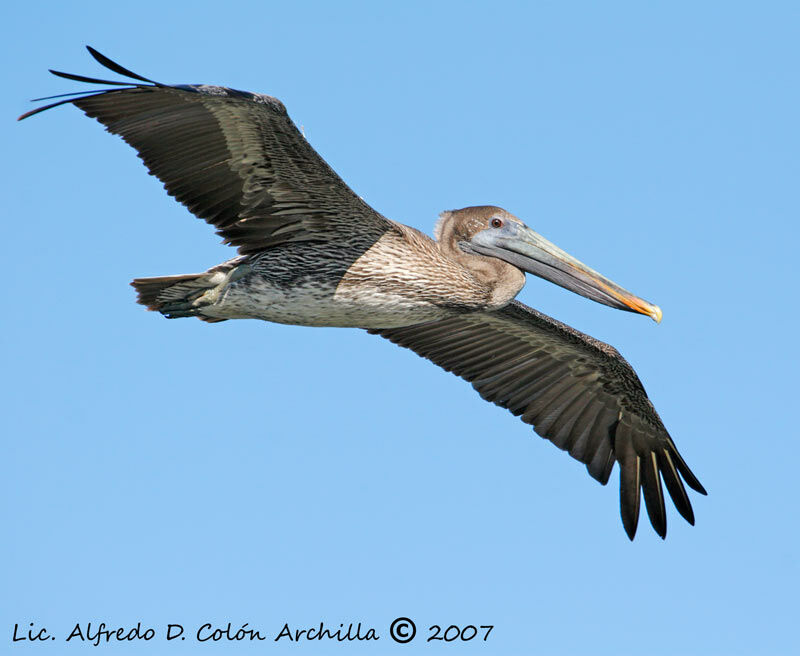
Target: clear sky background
point(174, 471)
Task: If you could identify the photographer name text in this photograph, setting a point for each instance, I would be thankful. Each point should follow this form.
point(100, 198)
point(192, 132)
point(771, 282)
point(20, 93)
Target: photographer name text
point(402, 630)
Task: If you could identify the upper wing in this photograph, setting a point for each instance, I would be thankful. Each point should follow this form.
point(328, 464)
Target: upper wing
point(576, 391)
point(233, 158)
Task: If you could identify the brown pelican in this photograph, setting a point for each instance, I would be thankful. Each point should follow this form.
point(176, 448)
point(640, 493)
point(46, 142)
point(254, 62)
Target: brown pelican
point(311, 252)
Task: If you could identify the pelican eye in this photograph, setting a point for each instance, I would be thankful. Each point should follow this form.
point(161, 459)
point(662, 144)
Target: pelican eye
point(496, 223)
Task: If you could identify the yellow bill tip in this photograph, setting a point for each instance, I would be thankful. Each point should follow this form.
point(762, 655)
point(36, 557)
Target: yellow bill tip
point(655, 313)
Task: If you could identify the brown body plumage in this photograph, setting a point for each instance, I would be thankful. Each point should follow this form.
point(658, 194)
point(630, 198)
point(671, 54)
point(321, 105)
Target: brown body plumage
point(311, 252)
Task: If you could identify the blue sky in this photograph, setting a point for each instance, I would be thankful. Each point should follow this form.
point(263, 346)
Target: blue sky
point(179, 472)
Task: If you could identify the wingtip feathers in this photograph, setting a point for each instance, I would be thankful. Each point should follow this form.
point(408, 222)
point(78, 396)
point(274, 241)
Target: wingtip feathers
point(102, 60)
point(114, 66)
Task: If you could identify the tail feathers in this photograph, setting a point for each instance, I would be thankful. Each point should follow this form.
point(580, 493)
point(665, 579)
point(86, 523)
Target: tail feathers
point(192, 294)
point(149, 289)
point(178, 296)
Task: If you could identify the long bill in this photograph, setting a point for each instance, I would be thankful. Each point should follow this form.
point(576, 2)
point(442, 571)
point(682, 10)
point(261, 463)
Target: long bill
point(517, 244)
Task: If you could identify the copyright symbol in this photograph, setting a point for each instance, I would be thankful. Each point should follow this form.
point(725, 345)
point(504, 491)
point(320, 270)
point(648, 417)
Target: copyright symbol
point(403, 630)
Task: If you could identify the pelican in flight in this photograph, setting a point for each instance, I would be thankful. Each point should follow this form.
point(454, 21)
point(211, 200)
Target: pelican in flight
point(313, 253)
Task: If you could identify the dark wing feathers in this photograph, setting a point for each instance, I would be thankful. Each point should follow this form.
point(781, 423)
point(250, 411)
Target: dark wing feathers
point(83, 78)
point(233, 158)
point(114, 66)
point(576, 391)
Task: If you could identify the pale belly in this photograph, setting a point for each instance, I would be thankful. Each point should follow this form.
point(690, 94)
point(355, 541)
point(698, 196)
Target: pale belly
point(309, 304)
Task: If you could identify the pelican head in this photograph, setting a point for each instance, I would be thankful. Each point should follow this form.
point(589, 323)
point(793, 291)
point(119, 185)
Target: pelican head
point(490, 231)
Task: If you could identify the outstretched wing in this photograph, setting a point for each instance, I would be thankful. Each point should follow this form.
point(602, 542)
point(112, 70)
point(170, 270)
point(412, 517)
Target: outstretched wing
point(231, 157)
point(576, 391)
